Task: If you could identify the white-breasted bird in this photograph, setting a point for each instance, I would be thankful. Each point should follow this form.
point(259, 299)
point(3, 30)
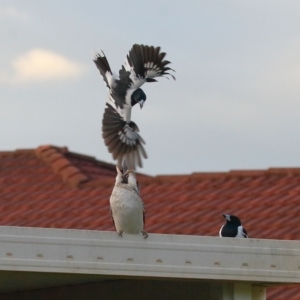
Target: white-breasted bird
point(120, 134)
point(126, 206)
point(233, 228)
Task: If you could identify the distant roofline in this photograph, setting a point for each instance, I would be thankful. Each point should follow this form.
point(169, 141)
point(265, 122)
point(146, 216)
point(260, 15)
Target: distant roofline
point(57, 158)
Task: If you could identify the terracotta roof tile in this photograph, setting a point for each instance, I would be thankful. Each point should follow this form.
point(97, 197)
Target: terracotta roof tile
point(53, 187)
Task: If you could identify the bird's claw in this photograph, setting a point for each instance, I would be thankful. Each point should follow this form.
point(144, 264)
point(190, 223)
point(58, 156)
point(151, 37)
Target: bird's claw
point(120, 233)
point(145, 234)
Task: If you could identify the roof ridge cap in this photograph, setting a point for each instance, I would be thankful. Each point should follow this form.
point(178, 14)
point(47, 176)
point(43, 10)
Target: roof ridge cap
point(55, 158)
point(92, 159)
point(284, 171)
point(229, 174)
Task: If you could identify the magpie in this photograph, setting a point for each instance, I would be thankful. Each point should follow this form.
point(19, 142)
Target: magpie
point(126, 206)
point(142, 64)
point(232, 228)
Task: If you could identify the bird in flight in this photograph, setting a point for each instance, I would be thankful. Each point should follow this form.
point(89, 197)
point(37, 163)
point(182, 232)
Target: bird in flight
point(126, 206)
point(142, 64)
point(233, 228)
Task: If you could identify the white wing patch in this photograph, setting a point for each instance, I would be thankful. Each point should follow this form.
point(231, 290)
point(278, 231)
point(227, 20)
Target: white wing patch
point(125, 112)
point(151, 73)
point(220, 231)
point(111, 78)
point(137, 81)
point(241, 232)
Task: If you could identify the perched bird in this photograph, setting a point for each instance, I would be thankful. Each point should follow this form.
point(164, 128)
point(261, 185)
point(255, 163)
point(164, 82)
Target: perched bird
point(233, 228)
point(126, 206)
point(120, 134)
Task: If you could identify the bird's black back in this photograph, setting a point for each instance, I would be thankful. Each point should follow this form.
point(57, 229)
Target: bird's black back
point(120, 89)
point(229, 230)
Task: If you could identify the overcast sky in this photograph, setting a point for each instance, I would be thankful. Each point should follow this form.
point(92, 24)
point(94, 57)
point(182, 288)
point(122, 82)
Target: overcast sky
point(235, 103)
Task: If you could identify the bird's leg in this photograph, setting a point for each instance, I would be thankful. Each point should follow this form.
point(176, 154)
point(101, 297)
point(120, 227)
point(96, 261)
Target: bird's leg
point(120, 233)
point(145, 234)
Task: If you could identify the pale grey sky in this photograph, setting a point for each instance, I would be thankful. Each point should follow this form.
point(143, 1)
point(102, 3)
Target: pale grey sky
point(235, 103)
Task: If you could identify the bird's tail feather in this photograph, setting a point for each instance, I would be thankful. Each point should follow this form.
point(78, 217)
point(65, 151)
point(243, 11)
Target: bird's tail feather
point(122, 139)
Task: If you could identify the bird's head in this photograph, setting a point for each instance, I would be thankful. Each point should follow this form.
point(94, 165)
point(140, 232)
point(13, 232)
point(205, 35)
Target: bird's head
point(232, 219)
point(138, 96)
point(130, 174)
point(122, 175)
point(131, 179)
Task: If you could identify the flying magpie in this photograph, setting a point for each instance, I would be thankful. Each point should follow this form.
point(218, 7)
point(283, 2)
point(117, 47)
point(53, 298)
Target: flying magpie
point(142, 64)
point(232, 228)
point(126, 206)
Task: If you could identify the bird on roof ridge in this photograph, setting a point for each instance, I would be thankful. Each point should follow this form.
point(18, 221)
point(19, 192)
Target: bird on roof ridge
point(142, 64)
point(126, 205)
point(233, 227)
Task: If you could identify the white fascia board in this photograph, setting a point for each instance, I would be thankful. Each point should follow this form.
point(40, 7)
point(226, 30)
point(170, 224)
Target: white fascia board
point(160, 255)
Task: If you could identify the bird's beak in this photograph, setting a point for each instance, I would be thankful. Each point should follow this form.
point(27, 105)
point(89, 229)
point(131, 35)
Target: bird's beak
point(141, 103)
point(118, 170)
point(227, 217)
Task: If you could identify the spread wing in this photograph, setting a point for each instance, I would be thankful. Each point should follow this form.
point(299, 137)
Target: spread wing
point(104, 68)
point(145, 63)
point(122, 139)
point(118, 86)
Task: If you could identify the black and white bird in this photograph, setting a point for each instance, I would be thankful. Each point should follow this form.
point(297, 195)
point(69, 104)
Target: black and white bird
point(232, 228)
point(126, 205)
point(142, 64)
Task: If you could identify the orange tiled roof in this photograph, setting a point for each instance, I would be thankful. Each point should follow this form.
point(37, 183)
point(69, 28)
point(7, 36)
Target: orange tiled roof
point(52, 187)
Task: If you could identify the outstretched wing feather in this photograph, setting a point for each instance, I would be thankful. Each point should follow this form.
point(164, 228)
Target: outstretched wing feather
point(146, 62)
point(122, 139)
point(103, 66)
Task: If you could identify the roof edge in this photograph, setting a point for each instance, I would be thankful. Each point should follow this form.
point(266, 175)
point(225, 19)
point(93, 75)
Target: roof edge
point(284, 171)
point(160, 256)
point(55, 158)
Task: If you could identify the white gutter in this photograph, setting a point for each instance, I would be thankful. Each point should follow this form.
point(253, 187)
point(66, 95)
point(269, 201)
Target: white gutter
point(165, 256)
